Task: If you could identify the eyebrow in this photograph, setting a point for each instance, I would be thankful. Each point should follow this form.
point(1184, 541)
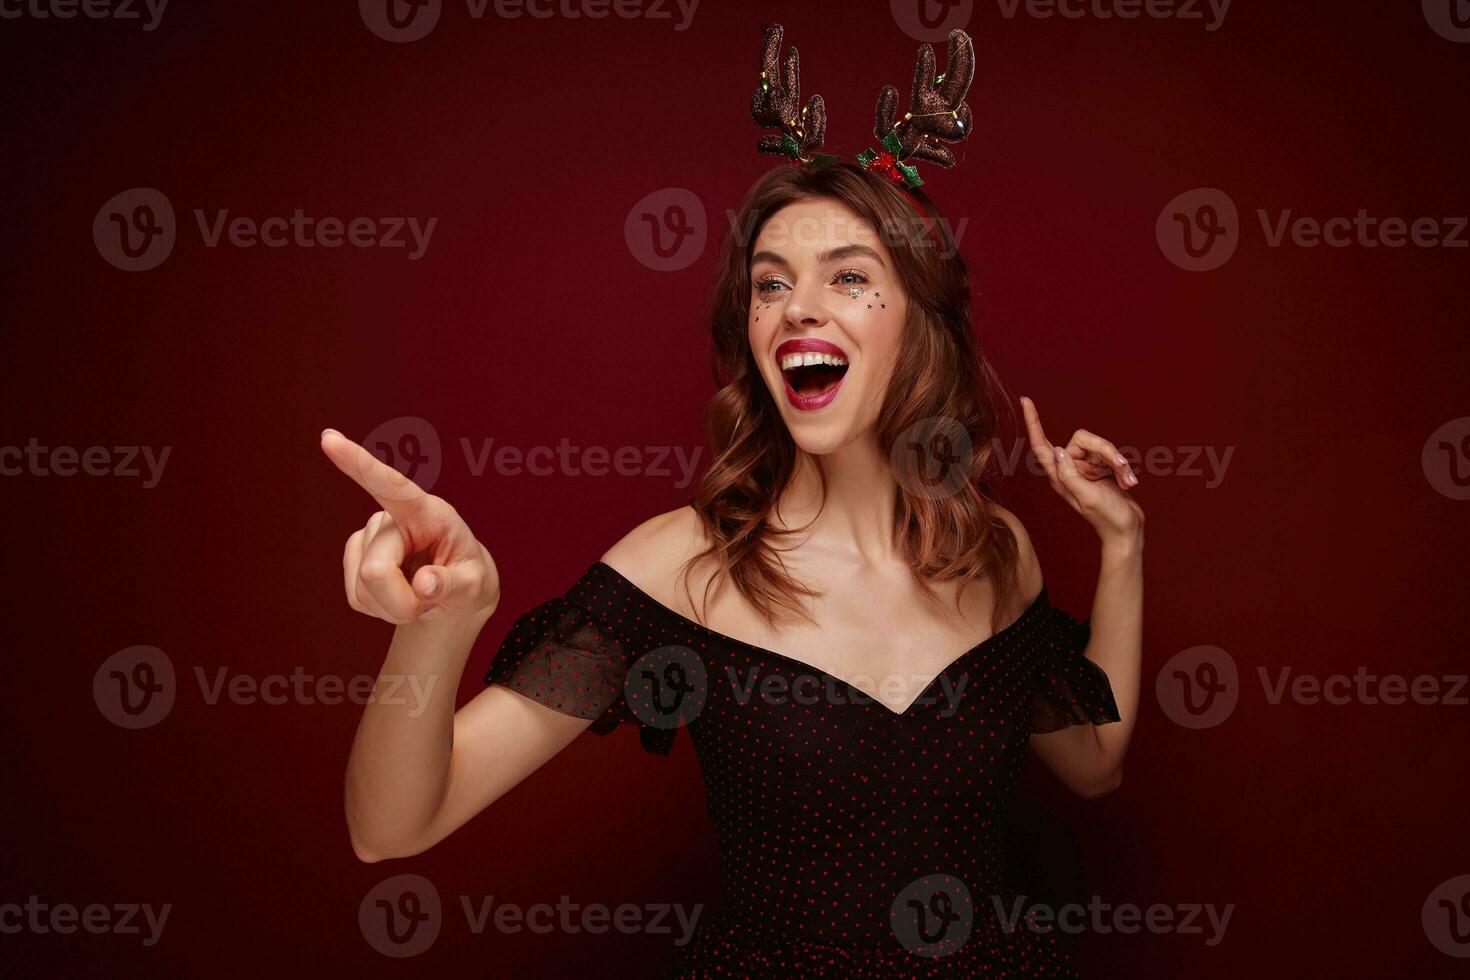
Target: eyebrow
point(831, 255)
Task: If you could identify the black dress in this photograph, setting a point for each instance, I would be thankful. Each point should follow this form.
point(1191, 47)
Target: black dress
point(855, 841)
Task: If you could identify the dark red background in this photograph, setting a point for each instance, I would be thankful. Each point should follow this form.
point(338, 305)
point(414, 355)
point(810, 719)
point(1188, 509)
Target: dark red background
point(529, 320)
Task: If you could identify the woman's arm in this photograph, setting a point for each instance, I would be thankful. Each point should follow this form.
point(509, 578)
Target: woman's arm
point(1092, 476)
point(418, 769)
point(1088, 759)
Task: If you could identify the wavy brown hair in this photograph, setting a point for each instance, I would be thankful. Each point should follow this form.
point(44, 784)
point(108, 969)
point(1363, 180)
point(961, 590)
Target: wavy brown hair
point(942, 388)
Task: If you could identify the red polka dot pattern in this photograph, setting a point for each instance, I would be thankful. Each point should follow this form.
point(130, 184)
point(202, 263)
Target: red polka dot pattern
point(840, 821)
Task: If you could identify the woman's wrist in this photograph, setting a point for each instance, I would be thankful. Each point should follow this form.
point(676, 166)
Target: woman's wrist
point(1122, 549)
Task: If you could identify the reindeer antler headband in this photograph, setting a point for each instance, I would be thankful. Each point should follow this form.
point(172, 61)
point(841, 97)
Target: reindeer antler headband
point(937, 114)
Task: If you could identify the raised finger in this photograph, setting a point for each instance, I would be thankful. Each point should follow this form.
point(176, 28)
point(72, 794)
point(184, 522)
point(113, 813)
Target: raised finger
point(1044, 450)
point(393, 491)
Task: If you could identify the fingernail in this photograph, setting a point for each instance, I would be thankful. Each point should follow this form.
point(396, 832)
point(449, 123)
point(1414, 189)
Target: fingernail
point(432, 586)
point(332, 431)
point(1061, 453)
point(1120, 459)
point(1131, 477)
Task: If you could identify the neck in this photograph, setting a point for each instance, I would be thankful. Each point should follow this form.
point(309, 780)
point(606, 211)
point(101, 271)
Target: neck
point(858, 512)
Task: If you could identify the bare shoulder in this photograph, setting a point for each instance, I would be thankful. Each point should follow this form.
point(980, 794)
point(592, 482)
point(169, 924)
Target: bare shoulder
point(654, 553)
point(1028, 566)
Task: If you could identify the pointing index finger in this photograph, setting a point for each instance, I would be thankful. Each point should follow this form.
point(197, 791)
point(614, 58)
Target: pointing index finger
point(393, 491)
point(1039, 443)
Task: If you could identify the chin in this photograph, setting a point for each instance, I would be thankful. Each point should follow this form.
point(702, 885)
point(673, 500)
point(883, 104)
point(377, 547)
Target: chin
point(820, 440)
point(826, 430)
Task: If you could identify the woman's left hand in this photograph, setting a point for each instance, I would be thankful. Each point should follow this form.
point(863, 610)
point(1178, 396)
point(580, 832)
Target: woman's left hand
point(1092, 476)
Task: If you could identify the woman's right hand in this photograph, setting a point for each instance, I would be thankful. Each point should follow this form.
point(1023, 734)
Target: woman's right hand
point(415, 559)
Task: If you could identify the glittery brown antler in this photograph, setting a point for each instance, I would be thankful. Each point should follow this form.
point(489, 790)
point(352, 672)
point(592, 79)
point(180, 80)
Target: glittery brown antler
point(938, 113)
point(777, 105)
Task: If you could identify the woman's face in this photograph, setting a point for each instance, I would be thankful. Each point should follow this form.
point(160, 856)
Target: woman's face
point(826, 315)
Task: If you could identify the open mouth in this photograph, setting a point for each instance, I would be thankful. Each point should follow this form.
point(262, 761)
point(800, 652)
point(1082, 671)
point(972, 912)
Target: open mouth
point(813, 371)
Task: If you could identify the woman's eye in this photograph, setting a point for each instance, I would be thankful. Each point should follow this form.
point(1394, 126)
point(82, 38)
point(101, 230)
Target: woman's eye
point(768, 286)
point(851, 277)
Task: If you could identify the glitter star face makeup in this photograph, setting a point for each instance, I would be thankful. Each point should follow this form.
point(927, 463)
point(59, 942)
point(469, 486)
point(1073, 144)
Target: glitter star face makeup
point(825, 322)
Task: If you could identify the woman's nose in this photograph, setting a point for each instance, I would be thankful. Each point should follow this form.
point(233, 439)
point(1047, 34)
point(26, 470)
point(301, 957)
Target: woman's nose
point(806, 306)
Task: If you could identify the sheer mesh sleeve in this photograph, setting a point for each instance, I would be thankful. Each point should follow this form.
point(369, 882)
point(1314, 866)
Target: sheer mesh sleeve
point(1070, 689)
point(560, 655)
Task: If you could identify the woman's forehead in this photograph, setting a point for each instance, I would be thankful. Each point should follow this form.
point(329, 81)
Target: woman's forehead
point(816, 226)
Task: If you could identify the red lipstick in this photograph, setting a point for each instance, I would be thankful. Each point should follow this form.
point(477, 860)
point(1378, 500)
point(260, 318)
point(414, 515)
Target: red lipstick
point(810, 401)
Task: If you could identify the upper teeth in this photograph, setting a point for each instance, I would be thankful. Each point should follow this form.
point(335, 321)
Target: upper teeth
point(808, 358)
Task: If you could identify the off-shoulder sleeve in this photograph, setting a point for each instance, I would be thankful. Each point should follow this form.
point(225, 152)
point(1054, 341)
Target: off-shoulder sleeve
point(563, 656)
point(1070, 689)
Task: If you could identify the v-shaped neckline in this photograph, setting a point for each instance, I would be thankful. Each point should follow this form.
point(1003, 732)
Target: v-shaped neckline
point(1036, 604)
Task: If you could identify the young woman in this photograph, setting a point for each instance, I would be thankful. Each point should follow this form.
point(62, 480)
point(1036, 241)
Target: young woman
point(855, 636)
